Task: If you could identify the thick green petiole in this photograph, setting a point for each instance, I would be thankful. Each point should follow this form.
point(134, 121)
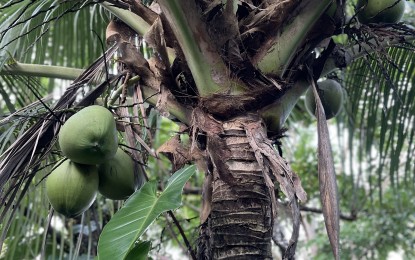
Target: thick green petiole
point(205, 63)
point(134, 21)
point(277, 113)
point(279, 56)
point(37, 70)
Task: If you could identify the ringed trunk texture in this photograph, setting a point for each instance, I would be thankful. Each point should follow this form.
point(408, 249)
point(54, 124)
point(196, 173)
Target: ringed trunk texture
point(239, 225)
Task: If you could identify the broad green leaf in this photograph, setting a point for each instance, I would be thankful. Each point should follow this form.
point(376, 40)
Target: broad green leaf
point(140, 210)
point(140, 251)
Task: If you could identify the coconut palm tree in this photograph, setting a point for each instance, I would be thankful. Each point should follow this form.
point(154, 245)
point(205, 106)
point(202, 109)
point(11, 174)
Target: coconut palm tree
point(229, 73)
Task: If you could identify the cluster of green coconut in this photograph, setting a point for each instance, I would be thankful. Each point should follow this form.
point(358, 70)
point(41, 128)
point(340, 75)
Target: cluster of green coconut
point(368, 11)
point(380, 11)
point(375, 11)
point(94, 163)
point(331, 96)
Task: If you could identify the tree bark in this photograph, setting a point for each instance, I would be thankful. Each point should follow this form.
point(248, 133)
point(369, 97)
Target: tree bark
point(239, 225)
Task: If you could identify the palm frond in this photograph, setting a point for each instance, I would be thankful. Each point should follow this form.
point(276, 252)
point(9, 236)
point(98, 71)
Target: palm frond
point(30, 31)
point(381, 115)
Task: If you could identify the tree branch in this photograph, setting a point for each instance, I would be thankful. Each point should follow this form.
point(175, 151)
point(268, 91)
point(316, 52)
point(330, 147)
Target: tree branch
point(37, 70)
point(319, 211)
point(189, 247)
point(341, 58)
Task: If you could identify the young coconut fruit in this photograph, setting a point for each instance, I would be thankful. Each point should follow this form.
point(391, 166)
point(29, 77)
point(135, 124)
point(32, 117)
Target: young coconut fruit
point(116, 177)
point(380, 11)
point(331, 95)
point(71, 188)
point(89, 136)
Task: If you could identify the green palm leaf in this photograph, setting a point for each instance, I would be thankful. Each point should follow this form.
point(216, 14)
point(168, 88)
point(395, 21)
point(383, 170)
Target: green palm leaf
point(381, 113)
point(34, 31)
point(31, 31)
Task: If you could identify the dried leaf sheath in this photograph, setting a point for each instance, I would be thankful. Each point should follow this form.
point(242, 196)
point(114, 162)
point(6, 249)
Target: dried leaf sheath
point(272, 163)
point(327, 178)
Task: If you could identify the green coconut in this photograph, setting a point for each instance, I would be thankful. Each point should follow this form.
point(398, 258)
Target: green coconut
point(71, 188)
point(89, 136)
point(380, 11)
point(116, 177)
point(331, 95)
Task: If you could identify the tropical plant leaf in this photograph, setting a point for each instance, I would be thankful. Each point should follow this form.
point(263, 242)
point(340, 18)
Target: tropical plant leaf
point(380, 116)
point(30, 31)
point(140, 210)
point(140, 251)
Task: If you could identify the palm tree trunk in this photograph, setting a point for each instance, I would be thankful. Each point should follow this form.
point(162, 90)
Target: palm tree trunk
point(239, 225)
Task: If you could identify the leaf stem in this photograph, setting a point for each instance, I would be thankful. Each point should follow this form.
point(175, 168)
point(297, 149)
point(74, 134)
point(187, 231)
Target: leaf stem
point(137, 23)
point(204, 61)
point(285, 46)
point(186, 241)
point(277, 113)
point(38, 70)
point(360, 50)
